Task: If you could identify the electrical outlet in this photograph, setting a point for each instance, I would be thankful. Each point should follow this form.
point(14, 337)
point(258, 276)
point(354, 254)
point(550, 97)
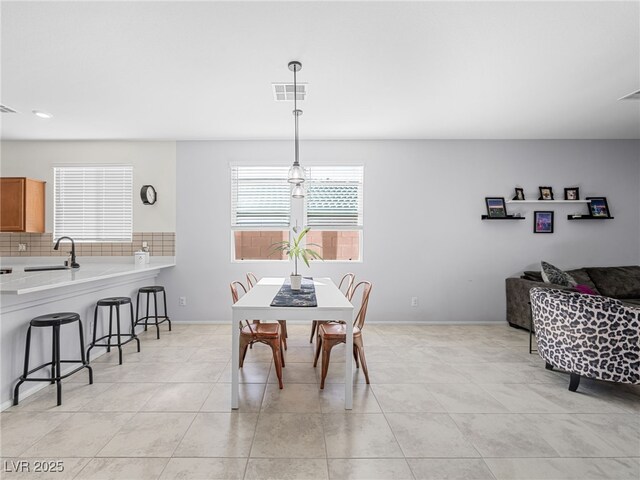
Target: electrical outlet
point(182, 301)
point(414, 301)
point(22, 247)
point(145, 244)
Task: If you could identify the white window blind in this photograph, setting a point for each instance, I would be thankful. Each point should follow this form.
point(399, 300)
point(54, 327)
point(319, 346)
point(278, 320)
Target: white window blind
point(334, 196)
point(93, 203)
point(260, 197)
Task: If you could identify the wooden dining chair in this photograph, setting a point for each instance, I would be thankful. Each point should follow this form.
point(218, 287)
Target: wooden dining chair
point(332, 334)
point(268, 333)
point(346, 287)
point(252, 280)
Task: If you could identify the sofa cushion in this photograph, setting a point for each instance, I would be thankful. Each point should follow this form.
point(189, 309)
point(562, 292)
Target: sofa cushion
point(634, 302)
point(584, 289)
point(532, 275)
point(582, 277)
point(617, 282)
point(552, 274)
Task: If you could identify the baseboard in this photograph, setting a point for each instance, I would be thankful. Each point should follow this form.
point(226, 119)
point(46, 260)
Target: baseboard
point(369, 322)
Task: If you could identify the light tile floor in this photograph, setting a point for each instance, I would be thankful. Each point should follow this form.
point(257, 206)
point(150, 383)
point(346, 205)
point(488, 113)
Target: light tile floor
point(445, 402)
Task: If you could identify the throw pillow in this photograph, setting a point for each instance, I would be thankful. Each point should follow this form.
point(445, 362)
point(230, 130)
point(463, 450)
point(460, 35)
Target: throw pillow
point(585, 289)
point(552, 274)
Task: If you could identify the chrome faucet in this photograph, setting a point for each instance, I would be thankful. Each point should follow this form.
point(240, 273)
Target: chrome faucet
point(73, 264)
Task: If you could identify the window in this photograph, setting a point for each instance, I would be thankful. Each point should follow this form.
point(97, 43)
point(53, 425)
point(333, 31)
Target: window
point(334, 211)
point(260, 210)
point(93, 203)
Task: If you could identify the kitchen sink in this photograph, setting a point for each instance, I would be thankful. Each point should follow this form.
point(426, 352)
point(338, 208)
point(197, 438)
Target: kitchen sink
point(45, 268)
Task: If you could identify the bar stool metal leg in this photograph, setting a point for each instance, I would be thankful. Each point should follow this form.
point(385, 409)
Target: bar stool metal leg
point(56, 333)
point(164, 298)
point(95, 329)
point(133, 326)
point(119, 337)
point(155, 313)
point(16, 391)
point(85, 361)
point(110, 328)
point(53, 358)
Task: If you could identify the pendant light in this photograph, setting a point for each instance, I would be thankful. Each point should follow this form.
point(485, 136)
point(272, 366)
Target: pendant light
point(296, 172)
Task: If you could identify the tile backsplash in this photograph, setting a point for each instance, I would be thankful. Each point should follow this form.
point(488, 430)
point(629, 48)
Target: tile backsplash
point(41, 245)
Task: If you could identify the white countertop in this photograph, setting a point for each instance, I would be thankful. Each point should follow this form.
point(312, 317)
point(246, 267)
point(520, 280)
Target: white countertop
point(20, 282)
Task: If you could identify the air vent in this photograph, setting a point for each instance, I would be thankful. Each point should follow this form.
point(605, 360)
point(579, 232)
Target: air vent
point(632, 96)
point(283, 92)
point(5, 109)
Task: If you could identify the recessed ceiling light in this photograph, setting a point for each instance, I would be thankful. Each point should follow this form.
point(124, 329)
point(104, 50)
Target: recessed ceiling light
point(41, 114)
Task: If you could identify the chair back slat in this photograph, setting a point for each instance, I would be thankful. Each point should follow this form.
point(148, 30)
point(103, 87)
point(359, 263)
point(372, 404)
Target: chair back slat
point(235, 287)
point(362, 312)
point(348, 282)
point(252, 280)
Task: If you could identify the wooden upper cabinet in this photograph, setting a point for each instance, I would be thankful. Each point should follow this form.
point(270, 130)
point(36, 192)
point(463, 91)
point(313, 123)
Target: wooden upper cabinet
point(21, 205)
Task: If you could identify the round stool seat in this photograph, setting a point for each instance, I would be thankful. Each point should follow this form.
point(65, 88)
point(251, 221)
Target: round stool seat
point(113, 301)
point(151, 289)
point(53, 319)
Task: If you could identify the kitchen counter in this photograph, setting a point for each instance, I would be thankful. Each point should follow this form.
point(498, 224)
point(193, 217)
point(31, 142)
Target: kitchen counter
point(25, 295)
point(20, 282)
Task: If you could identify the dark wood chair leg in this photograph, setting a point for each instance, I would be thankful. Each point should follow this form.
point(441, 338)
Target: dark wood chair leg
point(326, 356)
point(277, 361)
point(548, 366)
point(244, 344)
point(574, 381)
point(363, 360)
point(283, 332)
point(314, 325)
point(318, 349)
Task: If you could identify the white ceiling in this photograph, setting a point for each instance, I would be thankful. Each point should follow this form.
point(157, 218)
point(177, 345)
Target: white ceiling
point(435, 70)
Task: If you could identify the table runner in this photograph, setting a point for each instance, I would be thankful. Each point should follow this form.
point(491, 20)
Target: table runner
point(305, 297)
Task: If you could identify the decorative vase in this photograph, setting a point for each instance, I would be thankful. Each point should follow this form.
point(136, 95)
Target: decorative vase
point(296, 282)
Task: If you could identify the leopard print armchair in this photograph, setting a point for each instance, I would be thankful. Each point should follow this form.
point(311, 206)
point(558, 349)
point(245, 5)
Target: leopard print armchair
point(587, 335)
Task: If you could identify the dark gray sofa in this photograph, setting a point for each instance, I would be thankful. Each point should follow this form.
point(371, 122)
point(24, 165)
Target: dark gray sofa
point(622, 283)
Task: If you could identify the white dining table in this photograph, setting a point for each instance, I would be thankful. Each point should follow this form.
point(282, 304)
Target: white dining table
point(256, 304)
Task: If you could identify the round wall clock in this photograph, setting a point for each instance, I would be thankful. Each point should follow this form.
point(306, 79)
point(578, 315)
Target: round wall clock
point(148, 194)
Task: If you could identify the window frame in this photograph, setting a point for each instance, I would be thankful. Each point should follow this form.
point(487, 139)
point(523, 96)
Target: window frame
point(297, 216)
point(55, 235)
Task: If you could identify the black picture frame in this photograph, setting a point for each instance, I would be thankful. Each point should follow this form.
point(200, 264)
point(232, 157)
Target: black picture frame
point(496, 207)
point(599, 207)
point(572, 193)
point(543, 221)
point(546, 193)
point(519, 195)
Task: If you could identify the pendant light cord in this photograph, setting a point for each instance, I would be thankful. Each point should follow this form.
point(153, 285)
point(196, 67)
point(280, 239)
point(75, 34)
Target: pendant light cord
point(295, 113)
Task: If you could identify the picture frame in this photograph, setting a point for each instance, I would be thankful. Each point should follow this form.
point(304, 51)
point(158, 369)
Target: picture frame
point(572, 193)
point(598, 207)
point(519, 195)
point(542, 221)
point(546, 193)
point(496, 207)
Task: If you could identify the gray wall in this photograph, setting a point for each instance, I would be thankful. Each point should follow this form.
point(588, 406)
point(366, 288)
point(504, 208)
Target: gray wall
point(423, 235)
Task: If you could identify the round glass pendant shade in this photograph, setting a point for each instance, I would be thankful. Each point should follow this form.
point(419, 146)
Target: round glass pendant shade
point(296, 174)
point(298, 191)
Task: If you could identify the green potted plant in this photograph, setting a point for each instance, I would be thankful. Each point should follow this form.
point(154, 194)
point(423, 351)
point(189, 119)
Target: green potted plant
point(294, 250)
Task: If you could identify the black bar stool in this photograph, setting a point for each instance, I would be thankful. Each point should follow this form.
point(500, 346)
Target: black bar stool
point(153, 289)
point(113, 303)
point(54, 320)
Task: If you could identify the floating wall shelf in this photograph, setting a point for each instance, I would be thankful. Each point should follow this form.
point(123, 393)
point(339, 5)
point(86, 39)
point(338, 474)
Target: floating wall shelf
point(509, 217)
point(547, 201)
point(588, 217)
